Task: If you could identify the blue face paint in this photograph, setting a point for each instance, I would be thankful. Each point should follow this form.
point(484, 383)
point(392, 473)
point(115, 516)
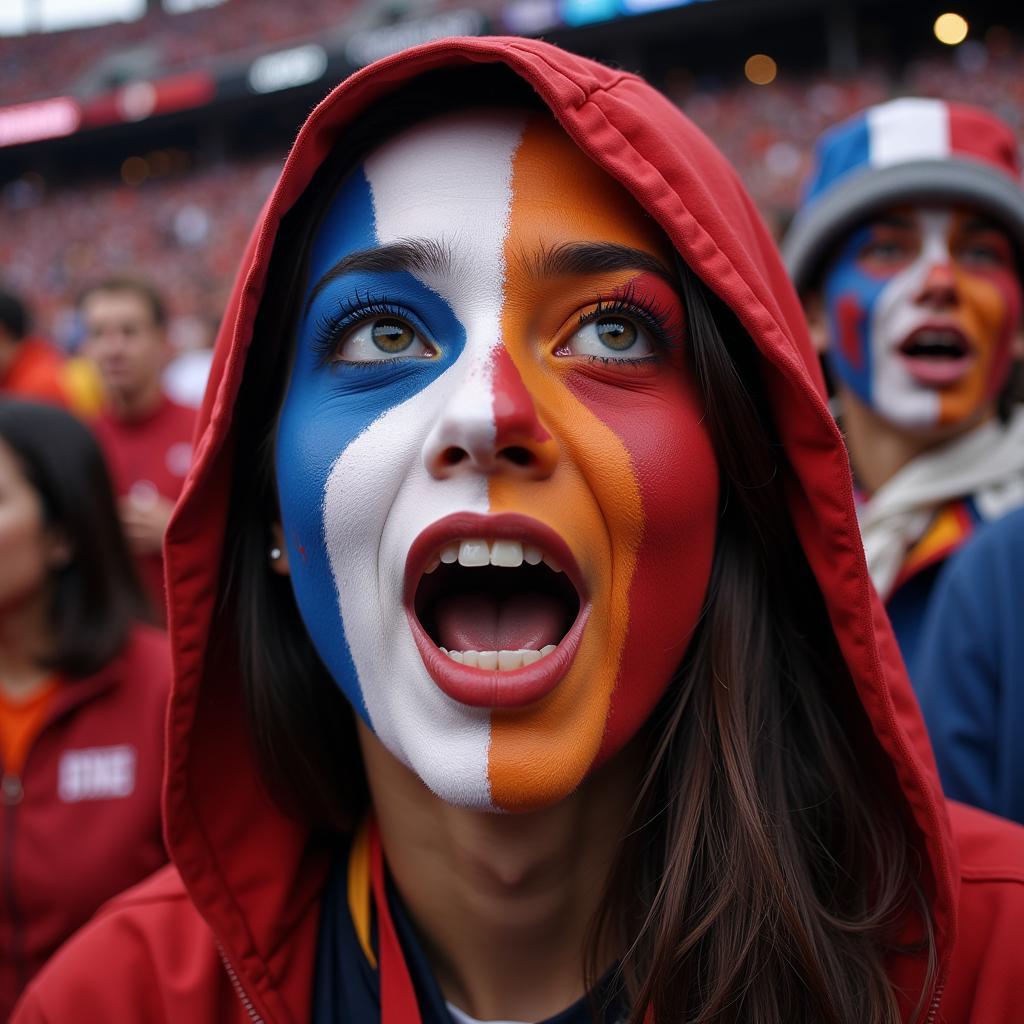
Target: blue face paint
point(329, 404)
point(850, 296)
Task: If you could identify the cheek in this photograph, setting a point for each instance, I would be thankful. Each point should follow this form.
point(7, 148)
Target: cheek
point(993, 303)
point(23, 569)
point(851, 298)
point(676, 475)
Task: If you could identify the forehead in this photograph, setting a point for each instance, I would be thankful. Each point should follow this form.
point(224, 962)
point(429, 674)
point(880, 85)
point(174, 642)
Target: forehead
point(117, 303)
point(471, 180)
point(935, 216)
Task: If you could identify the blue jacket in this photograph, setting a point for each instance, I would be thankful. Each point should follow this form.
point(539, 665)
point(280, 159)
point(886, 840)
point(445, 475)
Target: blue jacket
point(970, 670)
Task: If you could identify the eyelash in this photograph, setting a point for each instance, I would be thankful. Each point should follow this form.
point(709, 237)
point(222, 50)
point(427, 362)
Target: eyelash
point(329, 329)
point(331, 326)
point(655, 319)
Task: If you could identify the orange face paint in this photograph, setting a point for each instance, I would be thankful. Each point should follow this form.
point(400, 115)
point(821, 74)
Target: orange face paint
point(634, 490)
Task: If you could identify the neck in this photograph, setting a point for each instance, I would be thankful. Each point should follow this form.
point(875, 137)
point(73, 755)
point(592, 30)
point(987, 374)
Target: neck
point(24, 636)
point(503, 902)
point(136, 404)
point(880, 449)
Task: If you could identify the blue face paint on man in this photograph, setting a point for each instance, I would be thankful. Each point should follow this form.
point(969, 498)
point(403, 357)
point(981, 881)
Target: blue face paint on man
point(851, 293)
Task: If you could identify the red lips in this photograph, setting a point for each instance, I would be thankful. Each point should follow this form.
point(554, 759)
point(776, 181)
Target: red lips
point(486, 688)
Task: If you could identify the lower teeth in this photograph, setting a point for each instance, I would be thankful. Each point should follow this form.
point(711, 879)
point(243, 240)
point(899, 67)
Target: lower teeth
point(503, 661)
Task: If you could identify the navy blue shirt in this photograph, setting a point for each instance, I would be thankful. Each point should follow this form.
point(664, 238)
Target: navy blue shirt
point(969, 671)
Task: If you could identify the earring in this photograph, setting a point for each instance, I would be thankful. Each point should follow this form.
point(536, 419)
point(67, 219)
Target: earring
point(275, 554)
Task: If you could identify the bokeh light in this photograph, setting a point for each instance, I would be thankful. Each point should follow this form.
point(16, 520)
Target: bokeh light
point(760, 69)
point(951, 28)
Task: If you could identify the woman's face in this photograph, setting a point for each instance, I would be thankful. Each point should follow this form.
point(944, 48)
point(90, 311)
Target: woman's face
point(27, 547)
point(497, 493)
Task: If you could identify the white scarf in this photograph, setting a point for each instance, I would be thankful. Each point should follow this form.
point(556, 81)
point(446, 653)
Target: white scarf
point(987, 462)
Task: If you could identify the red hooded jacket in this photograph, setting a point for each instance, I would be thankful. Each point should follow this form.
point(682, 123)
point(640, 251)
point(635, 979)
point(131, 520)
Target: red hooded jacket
point(228, 933)
point(82, 821)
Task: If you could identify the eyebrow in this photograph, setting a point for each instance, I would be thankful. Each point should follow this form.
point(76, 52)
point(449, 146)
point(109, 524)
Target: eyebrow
point(410, 255)
point(578, 258)
point(894, 220)
point(435, 257)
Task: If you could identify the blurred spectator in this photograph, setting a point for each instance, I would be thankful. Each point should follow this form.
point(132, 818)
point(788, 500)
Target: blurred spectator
point(146, 436)
point(905, 253)
point(186, 374)
point(29, 367)
point(970, 672)
point(83, 687)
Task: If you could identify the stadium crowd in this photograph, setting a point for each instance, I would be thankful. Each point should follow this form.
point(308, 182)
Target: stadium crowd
point(78, 62)
point(106, 285)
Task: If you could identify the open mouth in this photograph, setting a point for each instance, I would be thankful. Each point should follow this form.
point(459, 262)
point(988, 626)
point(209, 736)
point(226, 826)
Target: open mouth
point(496, 607)
point(936, 355)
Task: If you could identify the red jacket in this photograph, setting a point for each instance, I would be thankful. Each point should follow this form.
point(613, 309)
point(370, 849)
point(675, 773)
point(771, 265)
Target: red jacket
point(83, 820)
point(229, 933)
point(149, 457)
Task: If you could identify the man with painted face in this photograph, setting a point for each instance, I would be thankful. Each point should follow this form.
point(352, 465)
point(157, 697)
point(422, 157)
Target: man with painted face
point(907, 253)
point(527, 668)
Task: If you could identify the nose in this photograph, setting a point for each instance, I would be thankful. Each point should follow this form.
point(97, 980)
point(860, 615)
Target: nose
point(492, 428)
point(939, 288)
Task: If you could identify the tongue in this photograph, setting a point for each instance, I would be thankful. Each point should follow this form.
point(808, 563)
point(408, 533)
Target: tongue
point(483, 622)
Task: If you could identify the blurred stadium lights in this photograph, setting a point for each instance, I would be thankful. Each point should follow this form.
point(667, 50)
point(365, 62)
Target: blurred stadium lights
point(760, 69)
point(18, 17)
point(372, 44)
point(286, 69)
point(43, 119)
point(184, 6)
point(951, 28)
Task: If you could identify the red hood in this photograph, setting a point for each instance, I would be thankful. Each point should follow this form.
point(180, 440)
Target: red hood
point(239, 857)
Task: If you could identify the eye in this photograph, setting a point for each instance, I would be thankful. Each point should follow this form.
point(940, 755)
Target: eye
point(986, 249)
point(380, 338)
point(609, 337)
point(887, 250)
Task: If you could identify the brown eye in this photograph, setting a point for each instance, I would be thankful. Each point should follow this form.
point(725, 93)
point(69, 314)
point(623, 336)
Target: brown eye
point(392, 336)
point(380, 338)
point(617, 334)
point(608, 338)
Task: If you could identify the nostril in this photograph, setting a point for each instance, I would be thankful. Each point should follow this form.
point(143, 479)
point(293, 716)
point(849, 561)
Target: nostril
point(517, 455)
point(453, 456)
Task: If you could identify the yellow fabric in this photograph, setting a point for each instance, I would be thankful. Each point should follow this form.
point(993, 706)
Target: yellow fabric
point(20, 722)
point(84, 386)
point(945, 534)
point(359, 889)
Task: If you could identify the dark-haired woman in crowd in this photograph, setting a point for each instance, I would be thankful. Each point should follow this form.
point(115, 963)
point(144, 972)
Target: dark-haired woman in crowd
point(83, 686)
point(527, 665)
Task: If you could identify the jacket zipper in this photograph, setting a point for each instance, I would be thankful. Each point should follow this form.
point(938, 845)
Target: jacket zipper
point(239, 991)
point(11, 793)
point(933, 1010)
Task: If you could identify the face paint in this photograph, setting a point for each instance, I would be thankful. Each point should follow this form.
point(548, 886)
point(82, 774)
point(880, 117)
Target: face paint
point(923, 305)
point(486, 387)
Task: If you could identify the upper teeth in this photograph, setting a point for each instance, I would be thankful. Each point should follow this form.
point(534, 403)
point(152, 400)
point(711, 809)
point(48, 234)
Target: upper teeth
point(506, 553)
point(503, 661)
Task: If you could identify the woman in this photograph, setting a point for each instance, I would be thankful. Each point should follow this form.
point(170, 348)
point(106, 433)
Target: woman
point(83, 687)
point(540, 677)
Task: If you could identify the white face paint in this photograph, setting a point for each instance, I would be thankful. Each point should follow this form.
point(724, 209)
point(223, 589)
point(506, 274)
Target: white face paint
point(446, 182)
point(897, 314)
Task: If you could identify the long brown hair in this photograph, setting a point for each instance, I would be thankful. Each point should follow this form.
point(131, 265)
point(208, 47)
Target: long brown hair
point(768, 867)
